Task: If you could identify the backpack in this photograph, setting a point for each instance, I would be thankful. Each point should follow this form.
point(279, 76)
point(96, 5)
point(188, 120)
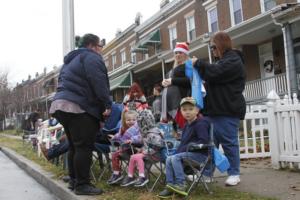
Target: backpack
point(155, 138)
point(146, 121)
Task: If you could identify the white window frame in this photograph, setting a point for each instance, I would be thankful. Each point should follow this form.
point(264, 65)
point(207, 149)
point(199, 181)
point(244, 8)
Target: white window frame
point(209, 20)
point(123, 56)
point(172, 35)
point(132, 54)
point(113, 60)
point(188, 28)
point(133, 57)
point(232, 12)
point(262, 6)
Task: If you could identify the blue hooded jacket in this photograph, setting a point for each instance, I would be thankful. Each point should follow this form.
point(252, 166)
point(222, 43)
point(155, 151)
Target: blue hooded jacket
point(83, 80)
point(196, 132)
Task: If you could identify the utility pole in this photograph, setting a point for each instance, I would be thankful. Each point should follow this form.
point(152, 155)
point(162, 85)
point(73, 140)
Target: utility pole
point(68, 26)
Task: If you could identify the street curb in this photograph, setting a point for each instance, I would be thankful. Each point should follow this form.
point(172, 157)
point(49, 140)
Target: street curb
point(58, 188)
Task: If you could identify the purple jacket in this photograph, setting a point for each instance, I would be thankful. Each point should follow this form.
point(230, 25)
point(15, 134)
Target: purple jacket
point(133, 133)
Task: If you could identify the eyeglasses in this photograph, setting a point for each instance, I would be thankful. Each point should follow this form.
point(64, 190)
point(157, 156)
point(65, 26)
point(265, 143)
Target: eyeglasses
point(99, 45)
point(213, 47)
point(178, 52)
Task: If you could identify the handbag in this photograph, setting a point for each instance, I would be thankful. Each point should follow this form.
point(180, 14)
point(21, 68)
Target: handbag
point(220, 161)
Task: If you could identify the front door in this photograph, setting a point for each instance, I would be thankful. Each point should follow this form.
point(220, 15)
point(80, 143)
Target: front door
point(266, 68)
point(266, 60)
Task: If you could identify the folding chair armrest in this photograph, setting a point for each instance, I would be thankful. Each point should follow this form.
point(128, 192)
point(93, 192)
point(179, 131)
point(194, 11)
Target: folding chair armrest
point(115, 143)
point(137, 145)
point(193, 147)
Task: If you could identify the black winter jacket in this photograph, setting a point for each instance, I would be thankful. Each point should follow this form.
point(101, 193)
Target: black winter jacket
point(83, 80)
point(179, 88)
point(196, 132)
point(225, 82)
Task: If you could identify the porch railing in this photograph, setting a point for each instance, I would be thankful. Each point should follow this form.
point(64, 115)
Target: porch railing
point(257, 90)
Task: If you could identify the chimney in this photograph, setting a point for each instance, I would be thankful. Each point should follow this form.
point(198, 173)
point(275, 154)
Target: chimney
point(118, 33)
point(138, 18)
point(45, 70)
point(163, 3)
point(29, 77)
point(36, 74)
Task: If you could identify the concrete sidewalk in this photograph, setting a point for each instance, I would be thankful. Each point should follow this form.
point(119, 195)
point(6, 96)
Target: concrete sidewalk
point(259, 178)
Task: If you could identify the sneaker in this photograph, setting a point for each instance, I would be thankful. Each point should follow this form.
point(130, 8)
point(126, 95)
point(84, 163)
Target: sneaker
point(87, 189)
point(114, 179)
point(141, 182)
point(71, 184)
point(233, 180)
point(206, 179)
point(178, 188)
point(165, 194)
point(66, 179)
point(128, 181)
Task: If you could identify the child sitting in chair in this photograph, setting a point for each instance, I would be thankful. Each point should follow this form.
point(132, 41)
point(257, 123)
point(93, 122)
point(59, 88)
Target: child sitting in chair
point(128, 134)
point(155, 134)
point(196, 130)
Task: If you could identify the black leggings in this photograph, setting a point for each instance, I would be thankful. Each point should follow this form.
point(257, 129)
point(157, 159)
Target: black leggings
point(81, 130)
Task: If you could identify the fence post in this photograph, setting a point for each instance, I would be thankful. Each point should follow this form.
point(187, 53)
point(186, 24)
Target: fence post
point(273, 132)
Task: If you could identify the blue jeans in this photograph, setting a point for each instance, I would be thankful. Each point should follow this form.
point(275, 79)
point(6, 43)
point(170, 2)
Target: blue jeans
point(226, 134)
point(58, 149)
point(174, 169)
point(102, 148)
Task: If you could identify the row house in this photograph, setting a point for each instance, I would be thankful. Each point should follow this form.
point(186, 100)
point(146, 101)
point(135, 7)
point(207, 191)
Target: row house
point(36, 93)
point(266, 31)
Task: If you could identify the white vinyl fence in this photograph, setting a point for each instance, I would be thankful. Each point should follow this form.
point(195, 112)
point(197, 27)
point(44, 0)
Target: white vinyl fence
point(273, 130)
point(254, 133)
point(284, 127)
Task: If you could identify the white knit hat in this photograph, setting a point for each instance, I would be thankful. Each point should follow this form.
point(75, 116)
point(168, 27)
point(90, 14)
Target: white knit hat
point(182, 47)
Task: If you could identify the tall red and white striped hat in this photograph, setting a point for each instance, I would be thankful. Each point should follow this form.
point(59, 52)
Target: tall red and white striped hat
point(182, 47)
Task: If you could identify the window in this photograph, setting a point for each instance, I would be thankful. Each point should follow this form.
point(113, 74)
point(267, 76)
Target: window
point(213, 20)
point(113, 61)
point(133, 57)
point(146, 56)
point(267, 5)
point(190, 26)
point(132, 54)
point(236, 12)
point(123, 57)
point(173, 36)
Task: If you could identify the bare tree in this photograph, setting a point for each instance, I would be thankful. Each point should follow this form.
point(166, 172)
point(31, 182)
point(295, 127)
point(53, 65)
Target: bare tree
point(5, 97)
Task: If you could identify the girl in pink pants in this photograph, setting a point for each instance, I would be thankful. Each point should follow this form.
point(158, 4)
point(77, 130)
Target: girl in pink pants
point(136, 160)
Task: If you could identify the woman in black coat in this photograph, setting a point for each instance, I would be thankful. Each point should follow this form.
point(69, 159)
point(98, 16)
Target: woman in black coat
point(176, 86)
point(225, 103)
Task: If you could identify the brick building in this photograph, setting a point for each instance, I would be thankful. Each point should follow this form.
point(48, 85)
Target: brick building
point(35, 93)
point(143, 52)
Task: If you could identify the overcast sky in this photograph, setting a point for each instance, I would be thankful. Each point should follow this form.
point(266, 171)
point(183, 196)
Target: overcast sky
point(31, 30)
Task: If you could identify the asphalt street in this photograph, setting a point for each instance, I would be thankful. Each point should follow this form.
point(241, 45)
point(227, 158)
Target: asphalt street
point(15, 184)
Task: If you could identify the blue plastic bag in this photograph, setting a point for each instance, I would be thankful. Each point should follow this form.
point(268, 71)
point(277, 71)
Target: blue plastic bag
point(198, 90)
point(220, 161)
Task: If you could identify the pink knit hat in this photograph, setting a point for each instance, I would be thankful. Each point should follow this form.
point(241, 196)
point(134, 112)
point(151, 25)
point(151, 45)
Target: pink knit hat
point(182, 47)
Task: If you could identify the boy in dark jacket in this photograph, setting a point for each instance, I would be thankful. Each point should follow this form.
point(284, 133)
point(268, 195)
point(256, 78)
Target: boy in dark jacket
point(196, 131)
